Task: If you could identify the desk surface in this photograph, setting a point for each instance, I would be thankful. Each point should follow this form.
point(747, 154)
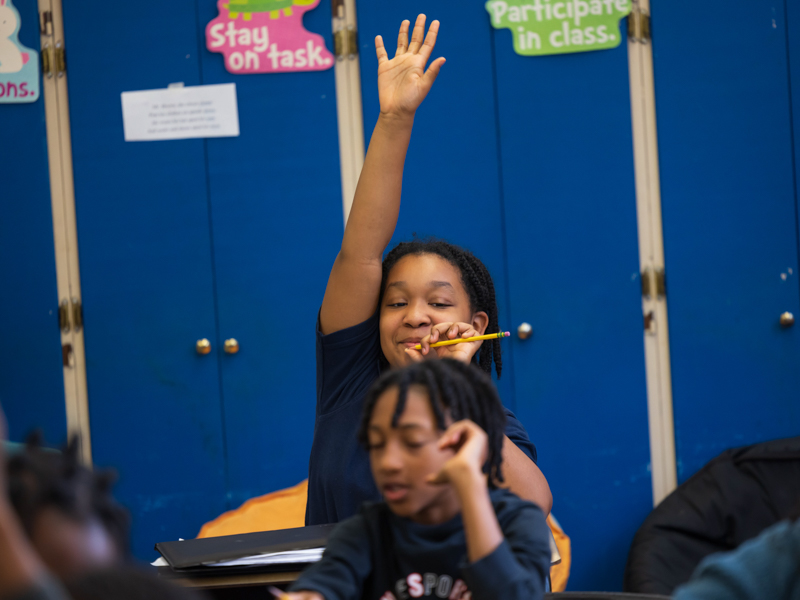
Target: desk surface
point(236, 581)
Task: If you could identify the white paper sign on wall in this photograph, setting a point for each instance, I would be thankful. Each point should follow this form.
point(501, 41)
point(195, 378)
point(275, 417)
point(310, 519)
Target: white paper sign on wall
point(179, 113)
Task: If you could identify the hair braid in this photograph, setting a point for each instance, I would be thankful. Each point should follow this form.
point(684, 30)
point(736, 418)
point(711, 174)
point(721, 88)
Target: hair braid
point(453, 389)
point(477, 283)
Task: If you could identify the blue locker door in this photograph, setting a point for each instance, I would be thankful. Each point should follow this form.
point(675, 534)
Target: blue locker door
point(573, 263)
point(277, 225)
point(31, 380)
point(729, 205)
point(451, 186)
point(146, 271)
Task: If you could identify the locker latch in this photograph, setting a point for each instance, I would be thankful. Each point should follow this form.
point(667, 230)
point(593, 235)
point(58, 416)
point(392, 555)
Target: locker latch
point(47, 23)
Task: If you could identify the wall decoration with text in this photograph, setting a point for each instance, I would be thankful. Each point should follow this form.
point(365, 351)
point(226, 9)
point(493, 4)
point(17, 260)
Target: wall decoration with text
point(541, 27)
point(19, 66)
point(266, 36)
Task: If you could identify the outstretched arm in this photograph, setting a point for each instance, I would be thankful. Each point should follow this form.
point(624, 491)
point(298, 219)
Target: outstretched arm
point(354, 283)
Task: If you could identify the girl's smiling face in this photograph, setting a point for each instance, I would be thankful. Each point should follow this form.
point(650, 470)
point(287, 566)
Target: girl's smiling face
point(422, 290)
point(403, 457)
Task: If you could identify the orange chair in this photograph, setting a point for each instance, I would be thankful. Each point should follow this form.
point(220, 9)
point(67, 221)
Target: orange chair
point(285, 509)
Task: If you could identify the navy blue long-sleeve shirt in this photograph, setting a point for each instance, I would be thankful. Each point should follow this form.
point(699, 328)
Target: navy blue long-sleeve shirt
point(339, 477)
point(378, 555)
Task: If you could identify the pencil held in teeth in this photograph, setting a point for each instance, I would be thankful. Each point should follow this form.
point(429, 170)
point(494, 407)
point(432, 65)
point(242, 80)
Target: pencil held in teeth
point(477, 338)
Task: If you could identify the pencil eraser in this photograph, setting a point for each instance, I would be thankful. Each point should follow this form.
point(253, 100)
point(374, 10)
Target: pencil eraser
point(507, 334)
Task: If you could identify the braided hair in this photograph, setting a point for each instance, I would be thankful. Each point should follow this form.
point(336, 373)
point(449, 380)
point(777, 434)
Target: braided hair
point(39, 478)
point(475, 278)
point(454, 390)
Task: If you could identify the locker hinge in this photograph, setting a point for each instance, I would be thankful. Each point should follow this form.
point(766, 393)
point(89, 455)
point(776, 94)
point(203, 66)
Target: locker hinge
point(653, 283)
point(54, 60)
point(77, 314)
point(639, 25)
point(63, 316)
point(70, 315)
point(60, 60)
point(47, 61)
point(345, 43)
point(345, 37)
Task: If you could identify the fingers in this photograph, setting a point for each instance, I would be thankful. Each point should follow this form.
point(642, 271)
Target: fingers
point(459, 433)
point(380, 50)
point(415, 355)
point(430, 41)
point(438, 331)
point(432, 72)
point(454, 436)
point(402, 38)
point(438, 478)
point(418, 35)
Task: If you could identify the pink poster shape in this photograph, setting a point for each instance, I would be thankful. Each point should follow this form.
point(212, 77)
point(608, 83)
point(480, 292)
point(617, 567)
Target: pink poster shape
point(266, 36)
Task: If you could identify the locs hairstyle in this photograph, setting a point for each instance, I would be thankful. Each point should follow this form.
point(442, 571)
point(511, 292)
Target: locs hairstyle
point(476, 280)
point(39, 478)
point(454, 389)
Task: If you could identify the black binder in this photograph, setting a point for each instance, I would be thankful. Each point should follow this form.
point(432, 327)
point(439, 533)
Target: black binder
point(190, 555)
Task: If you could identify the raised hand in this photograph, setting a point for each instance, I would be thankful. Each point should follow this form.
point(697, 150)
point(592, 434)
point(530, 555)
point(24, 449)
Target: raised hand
point(447, 331)
point(403, 81)
point(471, 445)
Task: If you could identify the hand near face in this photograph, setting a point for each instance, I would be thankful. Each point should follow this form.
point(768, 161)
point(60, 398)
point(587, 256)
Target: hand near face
point(403, 81)
point(447, 331)
point(471, 445)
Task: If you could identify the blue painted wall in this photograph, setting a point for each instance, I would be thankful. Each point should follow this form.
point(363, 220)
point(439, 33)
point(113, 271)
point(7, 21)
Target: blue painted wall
point(728, 182)
point(31, 380)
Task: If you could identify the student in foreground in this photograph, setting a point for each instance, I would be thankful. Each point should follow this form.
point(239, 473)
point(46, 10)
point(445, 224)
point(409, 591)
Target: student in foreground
point(434, 433)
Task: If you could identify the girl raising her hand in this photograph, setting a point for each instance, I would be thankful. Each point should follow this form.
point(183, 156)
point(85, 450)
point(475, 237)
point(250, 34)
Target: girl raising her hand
point(375, 311)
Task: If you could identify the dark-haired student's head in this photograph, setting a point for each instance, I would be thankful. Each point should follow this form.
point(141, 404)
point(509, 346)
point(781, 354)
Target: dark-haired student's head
point(406, 412)
point(66, 509)
point(427, 282)
point(126, 582)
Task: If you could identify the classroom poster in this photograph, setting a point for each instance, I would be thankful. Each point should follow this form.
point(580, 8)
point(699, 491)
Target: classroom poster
point(266, 36)
point(540, 27)
point(19, 66)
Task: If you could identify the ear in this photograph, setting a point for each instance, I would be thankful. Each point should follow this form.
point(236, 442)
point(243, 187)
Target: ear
point(480, 321)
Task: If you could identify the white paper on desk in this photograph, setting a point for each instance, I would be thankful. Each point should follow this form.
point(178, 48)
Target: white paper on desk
point(274, 558)
point(180, 113)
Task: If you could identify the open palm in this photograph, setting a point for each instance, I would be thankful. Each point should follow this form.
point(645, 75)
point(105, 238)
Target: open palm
point(403, 81)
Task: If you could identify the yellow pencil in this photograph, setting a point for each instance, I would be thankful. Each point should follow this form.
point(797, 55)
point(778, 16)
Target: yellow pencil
point(477, 338)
